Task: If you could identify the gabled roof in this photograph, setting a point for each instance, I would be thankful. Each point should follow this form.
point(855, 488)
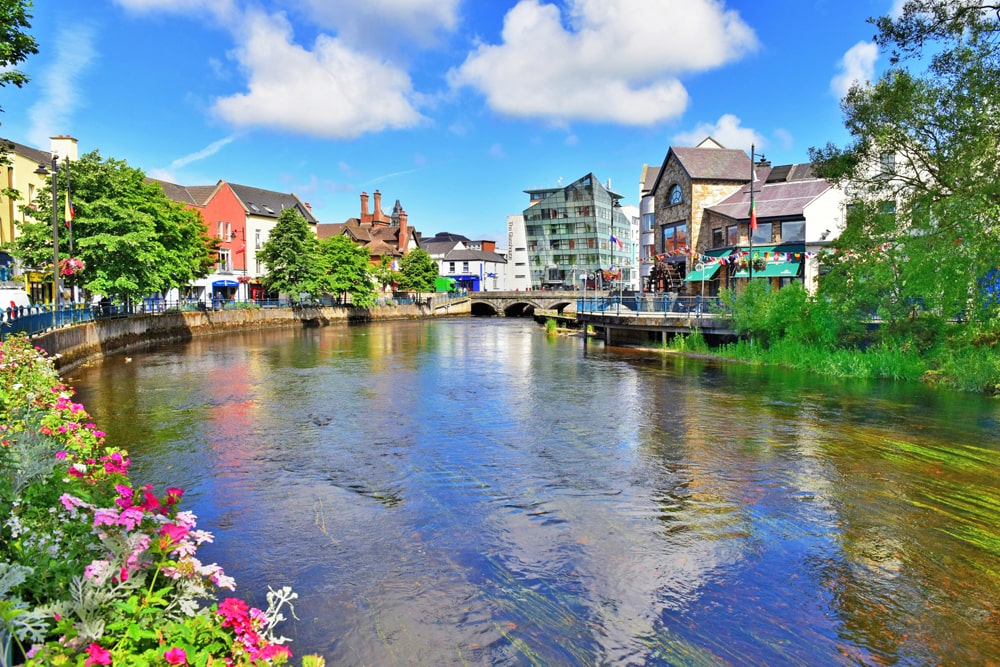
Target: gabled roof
point(174, 192)
point(649, 176)
point(707, 164)
point(268, 203)
point(468, 254)
point(774, 199)
point(41, 157)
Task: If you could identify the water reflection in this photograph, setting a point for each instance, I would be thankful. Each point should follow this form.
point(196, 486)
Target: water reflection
point(475, 492)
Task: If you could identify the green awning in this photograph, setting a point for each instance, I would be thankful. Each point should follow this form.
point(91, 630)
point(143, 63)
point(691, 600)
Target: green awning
point(710, 268)
point(703, 274)
point(771, 268)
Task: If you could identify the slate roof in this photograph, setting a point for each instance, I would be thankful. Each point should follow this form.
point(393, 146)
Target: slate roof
point(649, 176)
point(466, 254)
point(174, 192)
point(268, 203)
point(774, 199)
point(707, 164)
point(42, 157)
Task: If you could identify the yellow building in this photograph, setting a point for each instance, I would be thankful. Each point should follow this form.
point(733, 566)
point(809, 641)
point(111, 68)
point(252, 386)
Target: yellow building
point(19, 174)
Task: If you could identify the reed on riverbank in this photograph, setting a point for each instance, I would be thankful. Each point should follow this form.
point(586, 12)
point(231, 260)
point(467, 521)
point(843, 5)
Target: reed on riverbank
point(788, 328)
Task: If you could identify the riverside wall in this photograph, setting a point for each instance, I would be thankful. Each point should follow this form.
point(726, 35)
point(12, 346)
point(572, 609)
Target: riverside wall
point(84, 342)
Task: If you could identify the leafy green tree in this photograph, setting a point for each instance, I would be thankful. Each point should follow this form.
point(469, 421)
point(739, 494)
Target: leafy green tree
point(292, 256)
point(384, 274)
point(346, 270)
point(417, 271)
point(15, 43)
point(133, 239)
point(924, 226)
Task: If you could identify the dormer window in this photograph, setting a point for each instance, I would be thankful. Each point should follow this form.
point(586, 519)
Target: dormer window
point(675, 196)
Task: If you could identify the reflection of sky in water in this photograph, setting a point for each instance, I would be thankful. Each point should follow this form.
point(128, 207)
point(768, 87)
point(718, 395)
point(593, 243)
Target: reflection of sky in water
point(476, 492)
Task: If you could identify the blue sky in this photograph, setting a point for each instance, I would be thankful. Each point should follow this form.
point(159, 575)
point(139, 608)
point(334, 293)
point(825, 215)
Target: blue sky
point(453, 107)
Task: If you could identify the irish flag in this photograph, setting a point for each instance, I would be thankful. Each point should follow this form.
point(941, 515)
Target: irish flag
point(753, 216)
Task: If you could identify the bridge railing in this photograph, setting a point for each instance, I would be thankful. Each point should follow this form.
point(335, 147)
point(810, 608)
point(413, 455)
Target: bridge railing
point(653, 304)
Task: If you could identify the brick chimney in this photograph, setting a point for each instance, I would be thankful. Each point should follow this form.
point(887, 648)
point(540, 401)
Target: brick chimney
point(377, 209)
point(364, 207)
point(404, 232)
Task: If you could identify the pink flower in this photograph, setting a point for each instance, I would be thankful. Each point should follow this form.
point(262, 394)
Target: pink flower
point(173, 495)
point(175, 533)
point(175, 656)
point(97, 655)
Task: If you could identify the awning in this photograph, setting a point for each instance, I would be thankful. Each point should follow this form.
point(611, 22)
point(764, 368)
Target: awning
point(225, 283)
point(772, 269)
point(710, 268)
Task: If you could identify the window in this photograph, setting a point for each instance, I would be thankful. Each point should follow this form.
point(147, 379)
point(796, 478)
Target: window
point(732, 235)
point(224, 264)
point(220, 229)
point(649, 251)
point(572, 244)
point(451, 267)
point(888, 161)
point(763, 233)
point(676, 196)
point(793, 231)
point(229, 231)
point(649, 222)
point(590, 242)
point(674, 237)
point(256, 239)
point(465, 267)
point(718, 238)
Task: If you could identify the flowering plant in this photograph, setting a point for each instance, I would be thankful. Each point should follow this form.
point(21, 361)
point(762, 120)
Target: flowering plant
point(71, 266)
point(243, 280)
point(93, 569)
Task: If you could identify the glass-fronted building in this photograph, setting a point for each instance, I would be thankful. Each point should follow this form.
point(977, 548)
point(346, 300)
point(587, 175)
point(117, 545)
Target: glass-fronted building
point(578, 230)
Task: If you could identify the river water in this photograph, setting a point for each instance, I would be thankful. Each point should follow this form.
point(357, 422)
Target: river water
point(475, 492)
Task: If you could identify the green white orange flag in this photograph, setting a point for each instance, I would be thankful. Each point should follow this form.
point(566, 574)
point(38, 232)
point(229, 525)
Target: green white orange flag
point(753, 216)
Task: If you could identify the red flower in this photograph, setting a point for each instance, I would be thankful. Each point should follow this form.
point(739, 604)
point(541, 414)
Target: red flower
point(97, 655)
point(175, 656)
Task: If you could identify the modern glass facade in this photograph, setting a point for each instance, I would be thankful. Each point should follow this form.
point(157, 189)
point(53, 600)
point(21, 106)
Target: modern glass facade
point(575, 230)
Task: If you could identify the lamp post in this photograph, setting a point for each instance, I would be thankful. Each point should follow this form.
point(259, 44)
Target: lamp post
point(42, 171)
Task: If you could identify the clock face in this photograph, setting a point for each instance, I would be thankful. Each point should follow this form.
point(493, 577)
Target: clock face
point(675, 195)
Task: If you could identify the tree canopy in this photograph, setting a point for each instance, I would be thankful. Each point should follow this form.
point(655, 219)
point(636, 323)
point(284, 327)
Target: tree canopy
point(922, 170)
point(346, 270)
point(133, 240)
point(292, 256)
point(417, 271)
point(15, 42)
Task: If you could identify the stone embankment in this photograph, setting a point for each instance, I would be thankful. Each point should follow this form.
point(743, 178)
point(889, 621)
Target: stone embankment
point(83, 342)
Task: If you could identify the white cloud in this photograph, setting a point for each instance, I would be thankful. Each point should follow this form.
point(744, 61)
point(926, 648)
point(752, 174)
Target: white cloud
point(222, 9)
point(208, 151)
point(496, 152)
point(603, 61)
point(857, 66)
point(330, 91)
point(381, 24)
point(726, 131)
point(59, 100)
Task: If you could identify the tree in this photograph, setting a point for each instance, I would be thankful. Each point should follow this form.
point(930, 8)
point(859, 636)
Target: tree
point(133, 240)
point(923, 168)
point(384, 274)
point(345, 270)
point(417, 271)
point(15, 43)
point(292, 256)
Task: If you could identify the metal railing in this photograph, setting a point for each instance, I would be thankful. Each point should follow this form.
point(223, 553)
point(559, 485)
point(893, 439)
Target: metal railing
point(663, 305)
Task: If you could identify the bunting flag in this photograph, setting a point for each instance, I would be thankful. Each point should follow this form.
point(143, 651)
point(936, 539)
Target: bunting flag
point(753, 215)
point(242, 249)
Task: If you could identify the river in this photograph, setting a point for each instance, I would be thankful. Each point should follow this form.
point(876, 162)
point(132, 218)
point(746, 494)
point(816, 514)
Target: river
point(476, 492)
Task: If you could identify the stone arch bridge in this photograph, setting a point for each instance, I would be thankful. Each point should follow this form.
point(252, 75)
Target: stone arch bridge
point(523, 304)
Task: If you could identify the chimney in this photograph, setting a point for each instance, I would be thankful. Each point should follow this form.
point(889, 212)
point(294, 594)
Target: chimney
point(403, 232)
point(377, 209)
point(364, 207)
point(64, 146)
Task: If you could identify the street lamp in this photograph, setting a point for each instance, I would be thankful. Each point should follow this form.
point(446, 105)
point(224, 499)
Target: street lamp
point(615, 206)
point(42, 171)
